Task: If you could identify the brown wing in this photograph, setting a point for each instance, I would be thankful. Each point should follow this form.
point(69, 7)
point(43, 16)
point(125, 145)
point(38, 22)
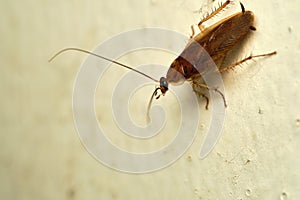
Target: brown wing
point(216, 41)
point(226, 34)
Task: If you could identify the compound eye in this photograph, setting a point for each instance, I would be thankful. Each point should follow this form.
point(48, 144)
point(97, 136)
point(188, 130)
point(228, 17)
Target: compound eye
point(163, 85)
point(163, 82)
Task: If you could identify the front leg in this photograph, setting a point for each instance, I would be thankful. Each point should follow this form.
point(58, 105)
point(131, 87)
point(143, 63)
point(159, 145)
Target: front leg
point(196, 85)
point(200, 93)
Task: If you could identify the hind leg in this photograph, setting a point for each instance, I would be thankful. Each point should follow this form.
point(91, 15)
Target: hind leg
point(244, 60)
point(209, 16)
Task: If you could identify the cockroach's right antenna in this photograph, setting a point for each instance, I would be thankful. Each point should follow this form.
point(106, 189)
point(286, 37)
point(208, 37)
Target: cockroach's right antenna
point(150, 103)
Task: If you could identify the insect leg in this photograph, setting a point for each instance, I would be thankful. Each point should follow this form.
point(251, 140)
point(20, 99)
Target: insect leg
point(196, 84)
point(200, 93)
point(216, 11)
point(244, 60)
point(193, 32)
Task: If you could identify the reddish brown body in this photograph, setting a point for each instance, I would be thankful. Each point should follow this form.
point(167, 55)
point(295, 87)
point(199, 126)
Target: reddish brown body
point(216, 41)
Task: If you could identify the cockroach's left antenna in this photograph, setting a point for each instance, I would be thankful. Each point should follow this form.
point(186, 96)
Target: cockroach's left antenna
point(163, 83)
point(102, 57)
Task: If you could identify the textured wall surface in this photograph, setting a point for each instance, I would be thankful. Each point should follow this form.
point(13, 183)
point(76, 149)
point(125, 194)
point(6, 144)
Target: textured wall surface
point(41, 156)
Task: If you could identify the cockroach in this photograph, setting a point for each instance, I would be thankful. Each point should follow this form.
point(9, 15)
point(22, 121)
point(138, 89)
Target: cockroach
point(217, 40)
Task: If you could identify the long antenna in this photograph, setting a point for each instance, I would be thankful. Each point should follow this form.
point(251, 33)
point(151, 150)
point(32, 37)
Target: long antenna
point(99, 56)
point(150, 103)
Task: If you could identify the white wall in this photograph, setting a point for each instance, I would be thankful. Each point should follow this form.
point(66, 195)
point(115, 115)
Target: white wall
point(41, 154)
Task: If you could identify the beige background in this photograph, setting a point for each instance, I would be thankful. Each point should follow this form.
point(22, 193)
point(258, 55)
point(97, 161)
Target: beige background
point(41, 156)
